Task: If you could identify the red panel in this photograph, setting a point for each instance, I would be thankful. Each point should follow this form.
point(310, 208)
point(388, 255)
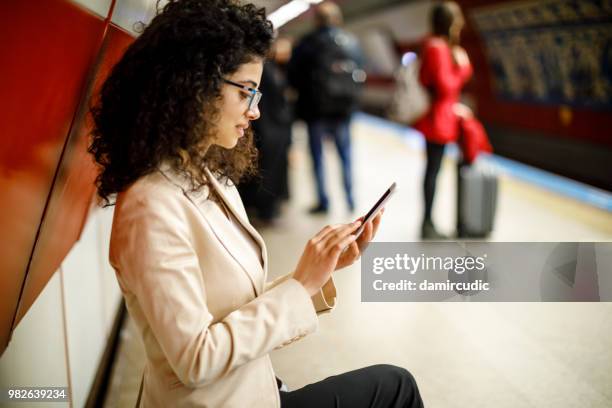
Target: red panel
point(73, 190)
point(47, 50)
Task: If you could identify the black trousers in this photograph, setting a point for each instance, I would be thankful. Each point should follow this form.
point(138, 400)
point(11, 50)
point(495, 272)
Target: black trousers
point(378, 386)
point(435, 152)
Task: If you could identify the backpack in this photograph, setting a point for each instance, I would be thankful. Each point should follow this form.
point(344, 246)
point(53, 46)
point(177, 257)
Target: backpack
point(337, 76)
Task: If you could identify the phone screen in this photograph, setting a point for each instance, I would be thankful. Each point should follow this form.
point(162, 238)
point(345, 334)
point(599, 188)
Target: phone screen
point(376, 208)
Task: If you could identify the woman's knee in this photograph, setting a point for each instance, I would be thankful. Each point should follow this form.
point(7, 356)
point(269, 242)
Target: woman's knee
point(399, 382)
point(389, 374)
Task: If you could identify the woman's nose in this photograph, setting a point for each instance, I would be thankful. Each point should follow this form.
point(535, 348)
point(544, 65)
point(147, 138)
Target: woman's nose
point(253, 113)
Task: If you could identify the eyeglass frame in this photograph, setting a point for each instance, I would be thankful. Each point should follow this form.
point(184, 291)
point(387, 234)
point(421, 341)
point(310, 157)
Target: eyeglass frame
point(254, 94)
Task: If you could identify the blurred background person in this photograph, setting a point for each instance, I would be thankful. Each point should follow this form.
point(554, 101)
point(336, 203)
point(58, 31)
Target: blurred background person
point(445, 68)
point(263, 194)
point(326, 69)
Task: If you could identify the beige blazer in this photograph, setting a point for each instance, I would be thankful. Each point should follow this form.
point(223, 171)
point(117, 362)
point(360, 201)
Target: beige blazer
point(198, 294)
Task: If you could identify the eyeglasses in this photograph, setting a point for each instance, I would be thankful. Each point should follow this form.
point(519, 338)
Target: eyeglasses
point(254, 94)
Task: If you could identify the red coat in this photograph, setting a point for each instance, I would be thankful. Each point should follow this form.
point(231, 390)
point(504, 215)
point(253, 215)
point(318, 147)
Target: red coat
point(445, 79)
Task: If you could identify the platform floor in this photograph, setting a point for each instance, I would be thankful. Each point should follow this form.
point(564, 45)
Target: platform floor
point(462, 354)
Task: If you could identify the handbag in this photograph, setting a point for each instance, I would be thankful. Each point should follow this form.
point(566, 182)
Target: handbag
point(410, 100)
point(473, 139)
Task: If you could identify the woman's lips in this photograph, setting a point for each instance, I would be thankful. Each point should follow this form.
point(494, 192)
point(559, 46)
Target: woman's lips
point(242, 128)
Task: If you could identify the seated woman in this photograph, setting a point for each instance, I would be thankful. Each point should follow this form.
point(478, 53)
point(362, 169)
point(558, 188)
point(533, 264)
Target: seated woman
point(172, 139)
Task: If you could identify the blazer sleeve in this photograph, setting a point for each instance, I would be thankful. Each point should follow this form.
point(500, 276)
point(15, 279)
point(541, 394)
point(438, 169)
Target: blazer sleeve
point(324, 301)
point(153, 253)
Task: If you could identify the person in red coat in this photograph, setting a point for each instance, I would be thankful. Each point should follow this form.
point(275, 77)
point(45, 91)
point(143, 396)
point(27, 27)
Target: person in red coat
point(445, 67)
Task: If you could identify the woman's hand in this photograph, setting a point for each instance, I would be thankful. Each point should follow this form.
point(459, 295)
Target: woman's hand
point(356, 248)
point(463, 111)
point(460, 56)
point(320, 257)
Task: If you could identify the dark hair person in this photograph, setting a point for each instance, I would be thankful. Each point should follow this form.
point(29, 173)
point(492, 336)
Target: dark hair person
point(445, 67)
point(172, 138)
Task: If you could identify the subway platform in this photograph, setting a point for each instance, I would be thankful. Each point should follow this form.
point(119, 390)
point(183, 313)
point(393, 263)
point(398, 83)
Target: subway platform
point(461, 353)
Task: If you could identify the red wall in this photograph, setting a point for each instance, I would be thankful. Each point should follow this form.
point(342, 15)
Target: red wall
point(53, 55)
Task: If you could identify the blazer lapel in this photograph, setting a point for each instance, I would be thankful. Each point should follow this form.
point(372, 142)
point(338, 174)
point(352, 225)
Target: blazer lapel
point(241, 217)
point(219, 225)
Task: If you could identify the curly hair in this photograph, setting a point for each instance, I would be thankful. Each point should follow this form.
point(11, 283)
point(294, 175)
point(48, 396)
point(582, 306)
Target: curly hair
point(160, 100)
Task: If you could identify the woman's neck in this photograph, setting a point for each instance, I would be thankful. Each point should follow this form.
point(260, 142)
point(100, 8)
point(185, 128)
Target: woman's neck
point(441, 37)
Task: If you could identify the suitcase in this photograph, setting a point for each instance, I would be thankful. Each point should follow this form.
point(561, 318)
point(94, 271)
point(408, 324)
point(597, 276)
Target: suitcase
point(476, 201)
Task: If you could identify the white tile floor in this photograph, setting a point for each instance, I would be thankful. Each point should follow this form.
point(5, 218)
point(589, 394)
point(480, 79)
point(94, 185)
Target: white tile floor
point(462, 354)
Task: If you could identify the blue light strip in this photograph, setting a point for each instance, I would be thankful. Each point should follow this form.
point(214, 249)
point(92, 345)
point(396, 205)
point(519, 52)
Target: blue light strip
point(562, 185)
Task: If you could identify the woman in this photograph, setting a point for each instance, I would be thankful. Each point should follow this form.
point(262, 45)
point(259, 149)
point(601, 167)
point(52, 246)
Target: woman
point(172, 138)
point(445, 68)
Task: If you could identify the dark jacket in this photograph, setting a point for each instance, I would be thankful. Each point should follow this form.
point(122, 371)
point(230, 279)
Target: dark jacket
point(304, 61)
point(273, 139)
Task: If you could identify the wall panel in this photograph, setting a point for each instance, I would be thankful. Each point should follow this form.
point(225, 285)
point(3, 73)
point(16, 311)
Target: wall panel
point(107, 282)
point(129, 14)
point(47, 50)
point(57, 55)
point(26, 362)
point(85, 315)
point(73, 191)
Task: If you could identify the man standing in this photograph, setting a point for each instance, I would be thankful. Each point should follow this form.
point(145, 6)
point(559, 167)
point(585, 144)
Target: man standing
point(326, 69)
point(265, 192)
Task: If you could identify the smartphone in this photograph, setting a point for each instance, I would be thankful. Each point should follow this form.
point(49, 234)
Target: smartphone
point(376, 208)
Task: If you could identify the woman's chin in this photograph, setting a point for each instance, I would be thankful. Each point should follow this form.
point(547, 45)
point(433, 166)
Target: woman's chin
point(228, 142)
point(232, 144)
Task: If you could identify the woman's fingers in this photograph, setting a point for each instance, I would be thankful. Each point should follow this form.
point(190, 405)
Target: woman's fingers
point(336, 246)
point(320, 257)
point(348, 256)
point(369, 231)
point(339, 233)
point(376, 221)
point(325, 231)
point(352, 252)
point(366, 236)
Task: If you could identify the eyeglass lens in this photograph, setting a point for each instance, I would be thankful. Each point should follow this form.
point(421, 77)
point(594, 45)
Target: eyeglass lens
point(254, 101)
